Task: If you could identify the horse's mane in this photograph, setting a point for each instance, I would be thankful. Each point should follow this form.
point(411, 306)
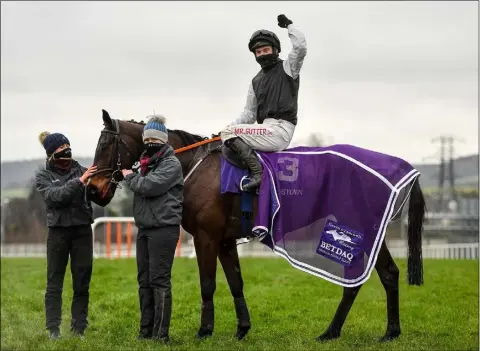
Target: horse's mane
point(186, 137)
point(136, 122)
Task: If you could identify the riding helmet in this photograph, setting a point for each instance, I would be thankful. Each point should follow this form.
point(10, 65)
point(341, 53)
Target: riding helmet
point(264, 37)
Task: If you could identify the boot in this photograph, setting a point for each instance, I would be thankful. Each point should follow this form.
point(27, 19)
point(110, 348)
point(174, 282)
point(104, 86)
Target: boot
point(80, 333)
point(163, 313)
point(54, 334)
point(247, 154)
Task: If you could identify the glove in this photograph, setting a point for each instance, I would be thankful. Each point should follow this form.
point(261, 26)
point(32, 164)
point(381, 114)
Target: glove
point(283, 21)
point(136, 166)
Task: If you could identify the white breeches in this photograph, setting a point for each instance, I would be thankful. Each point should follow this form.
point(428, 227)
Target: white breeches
point(270, 136)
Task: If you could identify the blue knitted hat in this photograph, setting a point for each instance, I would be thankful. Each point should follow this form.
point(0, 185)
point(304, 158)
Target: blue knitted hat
point(53, 141)
point(155, 128)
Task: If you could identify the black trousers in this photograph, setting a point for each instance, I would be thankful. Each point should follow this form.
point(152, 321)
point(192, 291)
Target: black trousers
point(62, 242)
point(155, 254)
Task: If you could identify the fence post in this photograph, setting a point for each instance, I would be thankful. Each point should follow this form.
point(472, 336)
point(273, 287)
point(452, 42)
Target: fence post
point(119, 239)
point(129, 238)
point(109, 237)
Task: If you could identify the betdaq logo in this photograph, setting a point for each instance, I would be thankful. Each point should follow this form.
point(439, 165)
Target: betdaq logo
point(339, 244)
point(340, 254)
point(339, 236)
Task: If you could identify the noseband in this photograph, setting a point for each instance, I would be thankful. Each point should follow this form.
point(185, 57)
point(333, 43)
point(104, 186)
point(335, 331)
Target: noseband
point(117, 175)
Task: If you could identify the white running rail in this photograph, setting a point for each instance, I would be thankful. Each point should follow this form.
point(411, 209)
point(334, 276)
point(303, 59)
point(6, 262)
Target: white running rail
point(463, 251)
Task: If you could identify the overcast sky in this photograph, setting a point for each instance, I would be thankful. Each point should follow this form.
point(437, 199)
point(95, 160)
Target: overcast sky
point(387, 76)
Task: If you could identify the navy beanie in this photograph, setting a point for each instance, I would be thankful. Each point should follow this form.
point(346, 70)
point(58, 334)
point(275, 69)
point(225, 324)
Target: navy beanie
point(53, 141)
point(155, 129)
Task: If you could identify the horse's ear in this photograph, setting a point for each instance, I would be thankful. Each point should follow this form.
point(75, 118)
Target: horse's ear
point(107, 121)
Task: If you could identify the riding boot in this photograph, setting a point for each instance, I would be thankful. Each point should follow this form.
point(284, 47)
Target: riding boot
point(54, 334)
point(247, 154)
point(163, 313)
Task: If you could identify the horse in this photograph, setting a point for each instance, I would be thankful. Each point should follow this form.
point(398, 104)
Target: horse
point(209, 217)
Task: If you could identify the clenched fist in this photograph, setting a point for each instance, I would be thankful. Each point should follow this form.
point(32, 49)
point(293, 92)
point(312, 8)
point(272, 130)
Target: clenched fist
point(283, 21)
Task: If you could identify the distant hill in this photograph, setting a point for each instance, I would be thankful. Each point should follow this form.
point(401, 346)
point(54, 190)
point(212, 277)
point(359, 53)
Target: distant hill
point(17, 174)
point(465, 173)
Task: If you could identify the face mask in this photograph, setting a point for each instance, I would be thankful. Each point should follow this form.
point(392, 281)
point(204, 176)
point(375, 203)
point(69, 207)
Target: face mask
point(63, 159)
point(63, 163)
point(267, 60)
point(65, 153)
point(153, 148)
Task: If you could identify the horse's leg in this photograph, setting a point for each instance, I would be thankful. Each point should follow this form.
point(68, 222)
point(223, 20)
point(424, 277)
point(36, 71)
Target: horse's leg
point(207, 252)
point(389, 274)
point(334, 329)
point(228, 256)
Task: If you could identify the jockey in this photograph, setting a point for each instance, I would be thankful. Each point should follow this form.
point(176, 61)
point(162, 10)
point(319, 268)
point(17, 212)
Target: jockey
point(271, 100)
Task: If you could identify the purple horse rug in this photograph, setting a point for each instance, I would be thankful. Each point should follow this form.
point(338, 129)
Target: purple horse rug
point(326, 209)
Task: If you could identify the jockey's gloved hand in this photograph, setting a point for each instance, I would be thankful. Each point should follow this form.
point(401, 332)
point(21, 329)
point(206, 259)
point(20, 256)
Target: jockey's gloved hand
point(283, 21)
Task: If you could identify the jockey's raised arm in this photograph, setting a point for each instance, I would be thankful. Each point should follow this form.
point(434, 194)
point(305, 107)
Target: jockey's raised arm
point(294, 62)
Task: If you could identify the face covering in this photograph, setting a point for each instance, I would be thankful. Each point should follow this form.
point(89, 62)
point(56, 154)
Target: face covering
point(63, 159)
point(153, 148)
point(266, 61)
point(65, 153)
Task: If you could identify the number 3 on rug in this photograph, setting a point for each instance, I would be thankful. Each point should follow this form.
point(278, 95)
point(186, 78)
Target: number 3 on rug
point(290, 173)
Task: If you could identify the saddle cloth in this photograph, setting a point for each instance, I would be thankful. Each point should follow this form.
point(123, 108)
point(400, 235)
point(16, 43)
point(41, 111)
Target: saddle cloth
point(326, 209)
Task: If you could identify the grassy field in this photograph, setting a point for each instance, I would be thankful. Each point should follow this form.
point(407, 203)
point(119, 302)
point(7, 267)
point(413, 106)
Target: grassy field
point(288, 309)
point(12, 193)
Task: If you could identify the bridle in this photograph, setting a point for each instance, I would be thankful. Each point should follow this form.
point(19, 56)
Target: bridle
point(117, 175)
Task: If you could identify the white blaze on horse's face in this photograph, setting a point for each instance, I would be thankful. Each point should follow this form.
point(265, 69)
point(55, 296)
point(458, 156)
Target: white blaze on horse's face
point(263, 50)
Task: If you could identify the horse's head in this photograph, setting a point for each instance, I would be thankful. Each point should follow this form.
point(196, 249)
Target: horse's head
point(119, 147)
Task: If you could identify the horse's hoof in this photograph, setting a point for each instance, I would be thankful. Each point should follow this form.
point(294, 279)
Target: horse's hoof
point(204, 333)
point(242, 332)
point(328, 336)
point(390, 335)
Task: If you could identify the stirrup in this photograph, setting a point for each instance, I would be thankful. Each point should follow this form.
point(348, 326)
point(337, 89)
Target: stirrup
point(242, 180)
point(245, 178)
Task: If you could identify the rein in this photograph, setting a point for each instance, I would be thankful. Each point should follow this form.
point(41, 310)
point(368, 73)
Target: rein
point(195, 145)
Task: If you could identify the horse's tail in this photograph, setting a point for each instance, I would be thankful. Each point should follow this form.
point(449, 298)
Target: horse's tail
point(416, 214)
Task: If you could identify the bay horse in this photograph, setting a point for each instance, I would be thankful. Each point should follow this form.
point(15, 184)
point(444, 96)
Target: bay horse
point(212, 219)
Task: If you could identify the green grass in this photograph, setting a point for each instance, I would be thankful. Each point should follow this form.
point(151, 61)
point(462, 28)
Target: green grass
point(14, 193)
point(288, 308)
